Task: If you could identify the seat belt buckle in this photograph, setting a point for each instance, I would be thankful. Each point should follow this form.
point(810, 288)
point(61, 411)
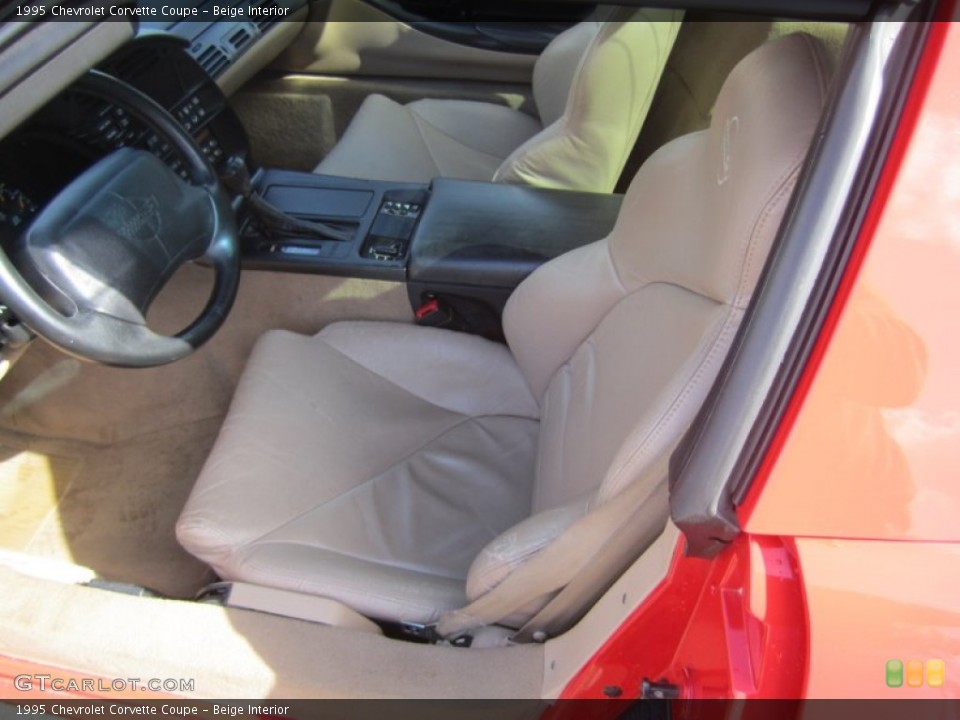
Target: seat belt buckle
point(435, 313)
point(418, 631)
point(429, 634)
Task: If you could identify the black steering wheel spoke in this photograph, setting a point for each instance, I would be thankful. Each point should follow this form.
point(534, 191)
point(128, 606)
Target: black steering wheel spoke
point(88, 268)
point(132, 343)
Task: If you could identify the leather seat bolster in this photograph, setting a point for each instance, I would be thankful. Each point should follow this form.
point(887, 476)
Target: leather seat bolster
point(604, 102)
point(556, 308)
point(516, 546)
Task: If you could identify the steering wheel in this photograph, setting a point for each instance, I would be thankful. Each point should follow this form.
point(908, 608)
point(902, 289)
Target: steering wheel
point(84, 273)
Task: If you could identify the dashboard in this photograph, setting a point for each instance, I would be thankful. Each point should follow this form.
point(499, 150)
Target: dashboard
point(186, 64)
point(75, 130)
point(223, 35)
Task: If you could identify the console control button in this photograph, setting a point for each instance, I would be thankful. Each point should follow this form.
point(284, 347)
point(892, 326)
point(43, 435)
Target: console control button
point(400, 209)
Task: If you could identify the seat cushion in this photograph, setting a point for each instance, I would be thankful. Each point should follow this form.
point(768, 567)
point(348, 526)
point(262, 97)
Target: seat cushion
point(427, 139)
point(369, 464)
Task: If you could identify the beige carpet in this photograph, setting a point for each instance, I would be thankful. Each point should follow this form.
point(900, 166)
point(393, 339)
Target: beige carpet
point(108, 508)
point(51, 395)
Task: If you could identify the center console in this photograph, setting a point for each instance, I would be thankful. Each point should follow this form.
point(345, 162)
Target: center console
point(481, 239)
point(464, 244)
point(379, 217)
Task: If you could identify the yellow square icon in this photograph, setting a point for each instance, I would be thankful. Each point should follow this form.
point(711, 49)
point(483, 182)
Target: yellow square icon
point(915, 673)
point(936, 670)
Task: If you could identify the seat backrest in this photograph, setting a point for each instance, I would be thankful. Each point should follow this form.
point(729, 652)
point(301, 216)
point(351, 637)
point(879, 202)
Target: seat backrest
point(593, 86)
point(706, 51)
point(621, 340)
point(704, 55)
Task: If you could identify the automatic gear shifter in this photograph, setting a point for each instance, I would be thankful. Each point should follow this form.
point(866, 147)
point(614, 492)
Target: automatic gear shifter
point(236, 178)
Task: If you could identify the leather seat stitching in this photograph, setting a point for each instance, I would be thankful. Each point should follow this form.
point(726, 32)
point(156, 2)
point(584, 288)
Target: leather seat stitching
point(410, 392)
point(420, 119)
point(679, 400)
point(390, 467)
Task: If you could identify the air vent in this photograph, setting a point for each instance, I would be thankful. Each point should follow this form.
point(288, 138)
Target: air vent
point(264, 23)
point(240, 39)
point(90, 102)
point(213, 60)
point(134, 64)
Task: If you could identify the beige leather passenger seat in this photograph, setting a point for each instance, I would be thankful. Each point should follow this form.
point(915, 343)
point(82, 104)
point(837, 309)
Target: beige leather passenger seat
point(593, 86)
point(408, 471)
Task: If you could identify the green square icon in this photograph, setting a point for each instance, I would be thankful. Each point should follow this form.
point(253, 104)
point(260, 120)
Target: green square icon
point(894, 673)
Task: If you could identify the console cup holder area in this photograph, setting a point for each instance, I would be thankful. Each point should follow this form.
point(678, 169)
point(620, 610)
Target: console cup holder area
point(378, 219)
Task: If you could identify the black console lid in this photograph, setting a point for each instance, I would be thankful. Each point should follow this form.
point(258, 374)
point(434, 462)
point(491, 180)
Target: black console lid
point(493, 235)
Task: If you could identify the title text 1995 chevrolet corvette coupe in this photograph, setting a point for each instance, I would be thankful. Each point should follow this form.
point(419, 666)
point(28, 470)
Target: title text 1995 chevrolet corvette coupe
point(421, 349)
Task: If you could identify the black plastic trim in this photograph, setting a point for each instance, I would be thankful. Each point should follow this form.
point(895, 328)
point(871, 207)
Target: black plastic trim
point(712, 469)
point(316, 198)
point(495, 234)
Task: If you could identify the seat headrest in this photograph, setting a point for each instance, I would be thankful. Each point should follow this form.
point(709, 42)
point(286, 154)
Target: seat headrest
point(704, 210)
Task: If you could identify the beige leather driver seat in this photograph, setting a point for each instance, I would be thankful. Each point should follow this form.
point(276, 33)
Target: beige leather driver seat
point(405, 470)
point(593, 86)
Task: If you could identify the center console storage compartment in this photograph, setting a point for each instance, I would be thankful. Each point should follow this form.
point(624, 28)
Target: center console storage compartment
point(477, 241)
